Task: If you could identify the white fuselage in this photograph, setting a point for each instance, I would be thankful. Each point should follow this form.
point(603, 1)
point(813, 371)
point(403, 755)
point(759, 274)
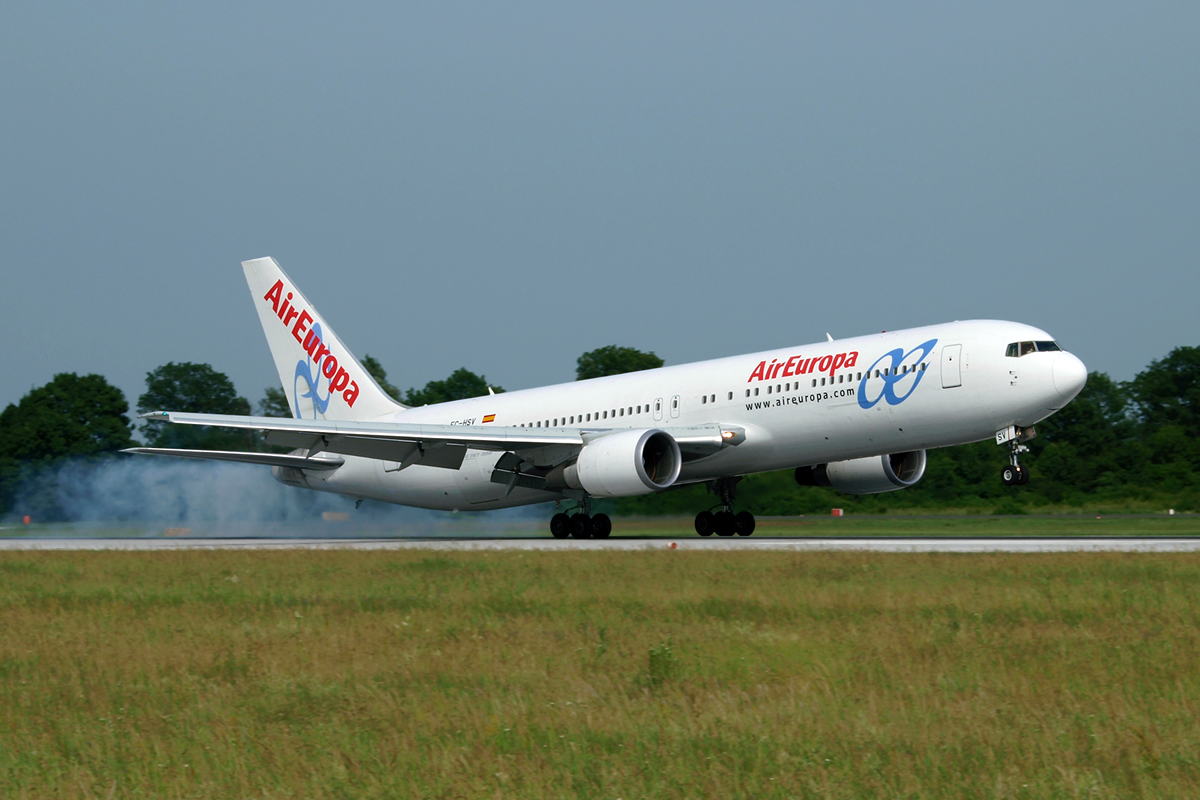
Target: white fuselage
point(891, 392)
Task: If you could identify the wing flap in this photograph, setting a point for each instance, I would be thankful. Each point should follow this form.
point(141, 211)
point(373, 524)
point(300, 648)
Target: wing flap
point(269, 459)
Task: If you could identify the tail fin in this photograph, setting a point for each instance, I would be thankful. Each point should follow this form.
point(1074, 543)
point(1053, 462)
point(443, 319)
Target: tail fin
point(321, 378)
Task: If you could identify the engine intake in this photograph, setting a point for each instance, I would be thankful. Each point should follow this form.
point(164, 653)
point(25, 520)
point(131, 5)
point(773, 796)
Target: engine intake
point(870, 475)
point(626, 463)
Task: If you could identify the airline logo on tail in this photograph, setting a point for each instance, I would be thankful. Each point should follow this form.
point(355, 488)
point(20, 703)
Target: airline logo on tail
point(337, 379)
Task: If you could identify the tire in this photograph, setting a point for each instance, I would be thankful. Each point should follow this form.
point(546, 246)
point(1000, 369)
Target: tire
point(560, 526)
point(581, 526)
point(1009, 475)
point(601, 526)
point(705, 524)
point(1022, 476)
point(744, 522)
point(726, 523)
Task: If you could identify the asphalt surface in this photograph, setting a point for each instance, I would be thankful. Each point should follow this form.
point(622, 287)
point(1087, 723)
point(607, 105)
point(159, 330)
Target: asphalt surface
point(693, 543)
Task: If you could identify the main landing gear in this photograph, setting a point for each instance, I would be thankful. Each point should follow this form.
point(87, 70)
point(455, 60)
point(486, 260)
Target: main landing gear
point(582, 524)
point(725, 522)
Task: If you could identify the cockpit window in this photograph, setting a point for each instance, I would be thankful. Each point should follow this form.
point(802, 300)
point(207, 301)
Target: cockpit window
point(1018, 349)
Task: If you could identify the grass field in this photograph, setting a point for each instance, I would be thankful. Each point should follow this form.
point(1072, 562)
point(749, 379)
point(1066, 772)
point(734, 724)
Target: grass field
point(606, 674)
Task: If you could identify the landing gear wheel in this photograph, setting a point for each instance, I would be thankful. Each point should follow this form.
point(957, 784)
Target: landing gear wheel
point(1022, 475)
point(726, 523)
point(601, 526)
point(560, 526)
point(744, 522)
point(1011, 475)
point(581, 526)
point(705, 524)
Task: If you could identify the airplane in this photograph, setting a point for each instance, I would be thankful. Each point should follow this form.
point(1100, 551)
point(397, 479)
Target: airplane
point(857, 415)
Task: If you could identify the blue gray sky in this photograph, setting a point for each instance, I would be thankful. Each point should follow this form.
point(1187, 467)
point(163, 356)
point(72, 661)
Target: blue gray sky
point(504, 186)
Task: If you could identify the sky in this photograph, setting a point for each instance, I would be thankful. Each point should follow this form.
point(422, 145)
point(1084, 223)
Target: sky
point(505, 186)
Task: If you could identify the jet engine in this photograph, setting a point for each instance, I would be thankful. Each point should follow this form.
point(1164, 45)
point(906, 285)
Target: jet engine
point(624, 464)
point(870, 475)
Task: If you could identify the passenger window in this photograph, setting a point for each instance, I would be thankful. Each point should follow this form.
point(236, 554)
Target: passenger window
point(756, 391)
point(822, 381)
point(731, 395)
point(814, 383)
point(622, 412)
point(768, 390)
point(714, 398)
point(747, 393)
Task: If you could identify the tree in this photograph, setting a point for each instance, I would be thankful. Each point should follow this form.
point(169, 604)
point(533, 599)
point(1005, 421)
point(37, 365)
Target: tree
point(71, 416)
point(377, 372)
point(195, 388)
point(274, 404)
point(1168, 391)
point(461, 384)
point(613, 360)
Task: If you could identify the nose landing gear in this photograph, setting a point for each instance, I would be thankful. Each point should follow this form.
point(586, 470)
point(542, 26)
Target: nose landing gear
point(725, 522)
point(1014, 474)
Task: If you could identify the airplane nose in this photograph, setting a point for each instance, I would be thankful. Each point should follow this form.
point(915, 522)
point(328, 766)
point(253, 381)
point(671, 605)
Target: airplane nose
point(1069, 375)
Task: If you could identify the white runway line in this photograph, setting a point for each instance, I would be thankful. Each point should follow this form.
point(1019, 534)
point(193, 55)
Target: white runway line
point(914, 545)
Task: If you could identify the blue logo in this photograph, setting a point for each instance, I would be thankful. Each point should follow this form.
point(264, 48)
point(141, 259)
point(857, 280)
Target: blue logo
point(893, 376)
point(304, 372)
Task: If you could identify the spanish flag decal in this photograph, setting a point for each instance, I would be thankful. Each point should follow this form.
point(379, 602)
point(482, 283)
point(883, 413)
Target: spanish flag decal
point(490, 418)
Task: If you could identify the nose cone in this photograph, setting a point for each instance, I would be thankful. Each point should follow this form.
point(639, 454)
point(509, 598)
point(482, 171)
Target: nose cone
point(1069, 376)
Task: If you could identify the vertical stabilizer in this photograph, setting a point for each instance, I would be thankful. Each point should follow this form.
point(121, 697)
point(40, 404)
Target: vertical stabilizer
point(321, 378)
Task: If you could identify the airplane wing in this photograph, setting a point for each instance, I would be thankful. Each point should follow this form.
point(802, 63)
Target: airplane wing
point(442, 446)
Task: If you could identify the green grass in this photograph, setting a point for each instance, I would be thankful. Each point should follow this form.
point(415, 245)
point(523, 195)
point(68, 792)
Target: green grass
point(653, 674)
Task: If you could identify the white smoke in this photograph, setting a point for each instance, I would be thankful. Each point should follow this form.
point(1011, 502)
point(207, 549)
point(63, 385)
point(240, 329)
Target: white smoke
point(222, 498)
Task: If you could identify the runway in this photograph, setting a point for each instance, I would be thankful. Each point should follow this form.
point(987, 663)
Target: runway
point(692, 544)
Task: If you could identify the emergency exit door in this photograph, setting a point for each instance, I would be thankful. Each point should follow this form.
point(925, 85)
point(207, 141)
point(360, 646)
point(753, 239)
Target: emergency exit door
point(951, 366)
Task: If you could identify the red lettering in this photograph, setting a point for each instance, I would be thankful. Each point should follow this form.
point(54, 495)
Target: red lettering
point(289, 316)
point(351, 394)
point(788, 368)
point(311, 340)
point(852, 359)
point(285, 307)
point(339, 380)
point(301, 327)
point(274, 295)
point(329, 367)
point(838, 360)
point(322, 351)
point(758, 371)
point(823, 364)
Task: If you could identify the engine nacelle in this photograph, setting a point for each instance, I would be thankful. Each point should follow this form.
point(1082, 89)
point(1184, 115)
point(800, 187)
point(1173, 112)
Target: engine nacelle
point(869, 475)
point(626, 463)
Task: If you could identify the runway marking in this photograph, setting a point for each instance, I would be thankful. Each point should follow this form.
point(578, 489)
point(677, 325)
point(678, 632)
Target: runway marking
point(784, 544)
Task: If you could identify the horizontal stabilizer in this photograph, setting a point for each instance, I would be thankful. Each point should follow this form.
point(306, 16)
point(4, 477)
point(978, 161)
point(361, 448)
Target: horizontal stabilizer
point(268, 459)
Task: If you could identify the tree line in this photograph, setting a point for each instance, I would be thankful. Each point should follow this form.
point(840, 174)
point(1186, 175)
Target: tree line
point(1131, 445)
